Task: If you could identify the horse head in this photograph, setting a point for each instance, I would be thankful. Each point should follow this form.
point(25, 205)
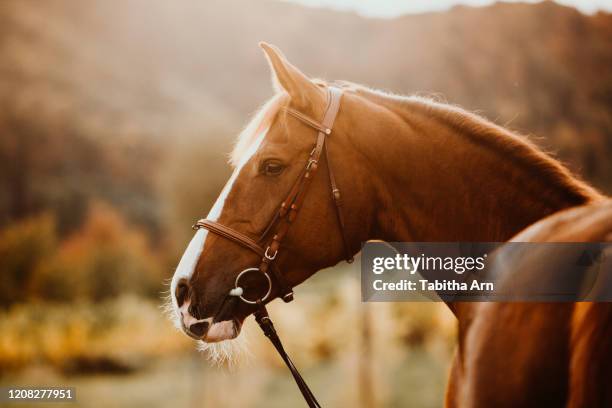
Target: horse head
point(270, 159)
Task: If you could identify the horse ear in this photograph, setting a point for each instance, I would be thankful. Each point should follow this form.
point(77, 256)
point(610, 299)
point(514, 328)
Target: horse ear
point(303, 92)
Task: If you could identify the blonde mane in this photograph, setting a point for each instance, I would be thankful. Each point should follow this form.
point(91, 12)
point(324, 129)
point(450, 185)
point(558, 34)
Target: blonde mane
point(262, 119)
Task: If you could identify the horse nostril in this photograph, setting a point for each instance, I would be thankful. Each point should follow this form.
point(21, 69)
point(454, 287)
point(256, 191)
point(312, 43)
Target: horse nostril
point(199, 328)
point(182, 289)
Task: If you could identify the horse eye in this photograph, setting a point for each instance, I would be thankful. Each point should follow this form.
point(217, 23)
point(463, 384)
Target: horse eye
point(273, 168)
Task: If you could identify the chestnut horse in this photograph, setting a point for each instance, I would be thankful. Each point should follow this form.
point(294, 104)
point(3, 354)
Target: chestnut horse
point(544, 354)
point(410, 169)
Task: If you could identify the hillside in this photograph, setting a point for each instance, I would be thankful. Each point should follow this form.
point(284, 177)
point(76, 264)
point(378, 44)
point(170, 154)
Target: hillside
point(138, 82)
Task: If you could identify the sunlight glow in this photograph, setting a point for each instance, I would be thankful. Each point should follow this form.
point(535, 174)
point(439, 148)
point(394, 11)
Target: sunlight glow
point(393, 8)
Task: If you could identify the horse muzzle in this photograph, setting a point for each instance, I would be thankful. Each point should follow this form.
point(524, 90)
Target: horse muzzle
point(213, 332)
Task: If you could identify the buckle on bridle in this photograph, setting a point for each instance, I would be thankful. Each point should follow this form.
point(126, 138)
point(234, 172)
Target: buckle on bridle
point(268, 256)
point(311, 162)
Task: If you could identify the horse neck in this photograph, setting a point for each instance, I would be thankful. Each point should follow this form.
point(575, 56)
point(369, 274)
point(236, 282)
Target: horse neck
point(444, 174)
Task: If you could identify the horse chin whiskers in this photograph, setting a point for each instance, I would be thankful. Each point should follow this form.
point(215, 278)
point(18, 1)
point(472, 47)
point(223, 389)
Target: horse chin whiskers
point(170, 311)
point(227, 352)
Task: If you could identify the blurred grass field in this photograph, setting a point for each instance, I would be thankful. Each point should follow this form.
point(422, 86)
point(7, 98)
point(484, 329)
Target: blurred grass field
point(187, 381)
point(123, 352)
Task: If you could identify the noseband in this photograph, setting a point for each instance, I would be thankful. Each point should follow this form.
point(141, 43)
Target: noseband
point(279, 226)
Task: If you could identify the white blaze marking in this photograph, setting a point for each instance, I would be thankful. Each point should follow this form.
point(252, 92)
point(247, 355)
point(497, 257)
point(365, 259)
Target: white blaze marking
point(188, 261)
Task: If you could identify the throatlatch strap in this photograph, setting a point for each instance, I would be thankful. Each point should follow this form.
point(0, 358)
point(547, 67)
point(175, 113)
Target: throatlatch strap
point(337, 199)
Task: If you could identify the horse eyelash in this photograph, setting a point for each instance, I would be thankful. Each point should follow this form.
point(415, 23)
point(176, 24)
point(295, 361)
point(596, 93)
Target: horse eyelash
point(264, 163)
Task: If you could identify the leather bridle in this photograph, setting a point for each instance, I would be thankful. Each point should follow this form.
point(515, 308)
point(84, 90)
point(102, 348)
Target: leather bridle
point(279, 226)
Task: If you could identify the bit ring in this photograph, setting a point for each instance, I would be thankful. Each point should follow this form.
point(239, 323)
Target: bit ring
point(265, 297)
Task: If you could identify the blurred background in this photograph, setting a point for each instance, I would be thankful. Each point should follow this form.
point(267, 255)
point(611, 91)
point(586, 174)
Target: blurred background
point(116, 118)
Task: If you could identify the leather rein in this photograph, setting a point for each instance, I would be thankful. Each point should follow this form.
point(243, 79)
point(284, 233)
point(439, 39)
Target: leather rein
point(279, 226)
